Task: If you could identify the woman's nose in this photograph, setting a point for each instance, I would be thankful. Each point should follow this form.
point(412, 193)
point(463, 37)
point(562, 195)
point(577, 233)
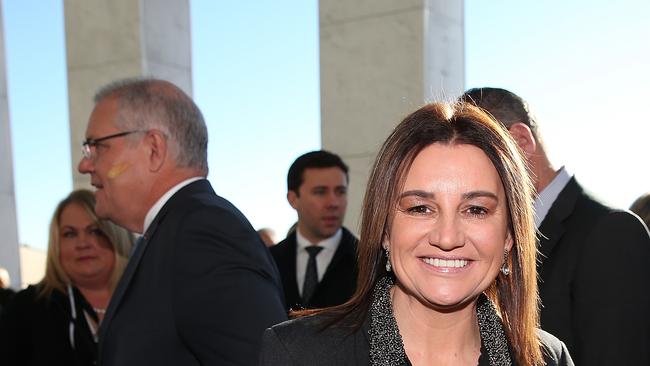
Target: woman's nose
point(446, 233)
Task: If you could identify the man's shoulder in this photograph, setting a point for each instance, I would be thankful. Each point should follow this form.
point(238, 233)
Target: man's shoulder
point(587, 207)
point(307, 331)
point(198, 199)
point(600, 212)
point(348, 237)
point(284, 246)
point(200, 194)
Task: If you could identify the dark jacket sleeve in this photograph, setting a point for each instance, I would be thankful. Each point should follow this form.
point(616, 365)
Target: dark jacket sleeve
point(15, 346)
point(273, 353)
point(225, 292)
point(612, 294)
point(554, 351)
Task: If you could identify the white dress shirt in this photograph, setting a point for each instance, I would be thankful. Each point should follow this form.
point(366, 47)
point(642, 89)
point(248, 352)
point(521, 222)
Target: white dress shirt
point(323, 258)
point(549, 194)
point(153, 211)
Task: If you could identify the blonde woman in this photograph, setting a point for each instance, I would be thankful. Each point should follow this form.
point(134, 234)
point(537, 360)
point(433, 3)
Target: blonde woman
point(56, 320)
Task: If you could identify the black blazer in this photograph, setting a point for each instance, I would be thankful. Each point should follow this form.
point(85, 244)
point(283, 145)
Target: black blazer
point(303, 342)
point(594, 278)
point(339, 281)
point(199, 290)
point(35, 330)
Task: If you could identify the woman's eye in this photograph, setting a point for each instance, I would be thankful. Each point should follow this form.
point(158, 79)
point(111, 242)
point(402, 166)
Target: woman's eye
point(69, 234)
point(418, 210)
point(477, 211)
point(96, 232)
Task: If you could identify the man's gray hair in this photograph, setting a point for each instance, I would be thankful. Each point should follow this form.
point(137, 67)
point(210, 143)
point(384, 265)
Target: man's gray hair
point(146, 104)
point(505, 106)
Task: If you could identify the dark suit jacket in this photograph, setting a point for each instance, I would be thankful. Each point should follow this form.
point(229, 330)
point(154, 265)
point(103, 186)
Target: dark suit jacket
point(339, 281)
point(594, 273)
point(35, 330)
point(302, 341)
point(199, 290)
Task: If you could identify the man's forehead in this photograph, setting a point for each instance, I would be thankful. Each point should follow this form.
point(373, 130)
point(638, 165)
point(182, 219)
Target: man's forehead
point(326, 177)
point(102, 118)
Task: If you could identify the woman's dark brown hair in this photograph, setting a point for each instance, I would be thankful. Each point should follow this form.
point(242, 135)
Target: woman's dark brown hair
point(515, 296)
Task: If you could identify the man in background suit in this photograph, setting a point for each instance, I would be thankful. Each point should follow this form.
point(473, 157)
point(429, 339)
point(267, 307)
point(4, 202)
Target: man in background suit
point(200, 288)
point(317, 261)
point(594, 277)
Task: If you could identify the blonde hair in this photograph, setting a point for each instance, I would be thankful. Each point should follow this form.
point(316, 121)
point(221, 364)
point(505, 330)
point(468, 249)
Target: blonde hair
point(121, 241)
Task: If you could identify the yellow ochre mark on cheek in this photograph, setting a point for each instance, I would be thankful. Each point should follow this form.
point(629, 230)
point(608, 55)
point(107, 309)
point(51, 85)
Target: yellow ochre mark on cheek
point(117, 170)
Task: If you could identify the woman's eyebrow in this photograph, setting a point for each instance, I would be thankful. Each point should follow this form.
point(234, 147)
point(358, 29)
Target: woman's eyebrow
point(477, 194)
point(417, 193)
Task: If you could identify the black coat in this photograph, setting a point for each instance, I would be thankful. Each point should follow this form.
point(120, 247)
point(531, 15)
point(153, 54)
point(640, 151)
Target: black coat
point(5, 296)
point(199, 290)
point(36, 331)
point(594, 276)
point(338, 283)
point(303, 342)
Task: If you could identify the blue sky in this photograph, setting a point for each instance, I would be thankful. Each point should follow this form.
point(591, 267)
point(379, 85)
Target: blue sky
point(581, 64)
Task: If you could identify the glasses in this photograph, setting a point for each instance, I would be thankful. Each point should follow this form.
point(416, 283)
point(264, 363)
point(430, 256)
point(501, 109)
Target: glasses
point(88, 146)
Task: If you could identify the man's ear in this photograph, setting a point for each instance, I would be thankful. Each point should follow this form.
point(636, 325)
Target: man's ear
point(523, 136)
point(158, 149)
point(292, 197)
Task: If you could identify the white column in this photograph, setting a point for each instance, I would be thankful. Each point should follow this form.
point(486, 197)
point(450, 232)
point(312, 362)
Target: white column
point(108, 40)
point(380, 60)
point(9, 255)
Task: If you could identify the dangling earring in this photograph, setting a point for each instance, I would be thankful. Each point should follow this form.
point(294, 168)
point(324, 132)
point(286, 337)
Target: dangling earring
point(504, 268)
point(388, 266)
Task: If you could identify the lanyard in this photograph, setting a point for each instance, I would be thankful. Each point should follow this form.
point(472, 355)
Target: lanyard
point(73, 312)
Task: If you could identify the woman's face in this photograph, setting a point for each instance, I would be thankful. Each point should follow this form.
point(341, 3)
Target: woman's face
point(86, 254)
point(450, 229)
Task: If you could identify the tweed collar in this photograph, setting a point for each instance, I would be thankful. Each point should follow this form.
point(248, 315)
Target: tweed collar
point(387, 348)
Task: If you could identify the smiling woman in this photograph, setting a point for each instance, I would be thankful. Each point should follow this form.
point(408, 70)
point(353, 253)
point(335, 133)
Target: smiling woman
point(56, 321)
point(450, 231)
point(446, 257)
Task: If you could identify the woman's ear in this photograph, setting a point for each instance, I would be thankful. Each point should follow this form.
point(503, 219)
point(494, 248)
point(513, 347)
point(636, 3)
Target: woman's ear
point(509, 242)
point(386, 242)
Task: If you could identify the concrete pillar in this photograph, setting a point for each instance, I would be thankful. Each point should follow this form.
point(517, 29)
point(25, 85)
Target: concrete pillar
point(380, 60)
point(9, 257)
point(108, 40)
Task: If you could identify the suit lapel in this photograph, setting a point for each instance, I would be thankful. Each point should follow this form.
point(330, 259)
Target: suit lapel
point(287, 267)
point(130, 270)
point(552, 228)
point(141, 246)
point(292, 284)
point(339, 255)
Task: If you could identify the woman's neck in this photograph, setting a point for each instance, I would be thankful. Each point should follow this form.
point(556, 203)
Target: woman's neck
point(98, 297)
point(434, 337)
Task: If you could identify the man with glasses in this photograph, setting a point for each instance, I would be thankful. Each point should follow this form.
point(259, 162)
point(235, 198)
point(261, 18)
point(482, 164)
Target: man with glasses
point(200, 287)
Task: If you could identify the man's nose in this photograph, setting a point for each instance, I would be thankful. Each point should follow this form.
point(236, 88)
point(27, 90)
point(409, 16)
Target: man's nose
point(85, 166)
point(334, 200)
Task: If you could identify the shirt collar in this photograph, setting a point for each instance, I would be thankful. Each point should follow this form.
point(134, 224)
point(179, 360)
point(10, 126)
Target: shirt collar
point(549, 194)
point(153, 211)
point(330, 243)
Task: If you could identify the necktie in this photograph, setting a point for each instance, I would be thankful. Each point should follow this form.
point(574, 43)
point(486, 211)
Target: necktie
point(311, 275)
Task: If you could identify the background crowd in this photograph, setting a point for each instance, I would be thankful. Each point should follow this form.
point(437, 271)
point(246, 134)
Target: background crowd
point(474, 248)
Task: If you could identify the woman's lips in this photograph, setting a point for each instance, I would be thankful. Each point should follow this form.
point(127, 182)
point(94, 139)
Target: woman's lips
point(446, 265)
